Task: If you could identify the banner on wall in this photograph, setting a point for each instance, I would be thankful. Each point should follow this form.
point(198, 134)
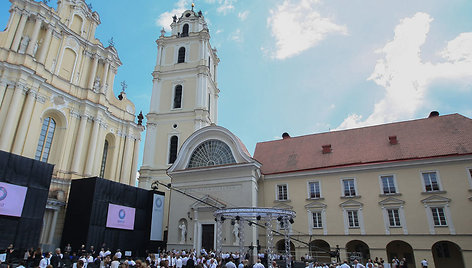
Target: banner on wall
point(157, 217)
point(12, 199)
point(120, 217)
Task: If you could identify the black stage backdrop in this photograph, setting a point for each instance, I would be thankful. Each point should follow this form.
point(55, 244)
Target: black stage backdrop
point(24, 232)
point(86, 216)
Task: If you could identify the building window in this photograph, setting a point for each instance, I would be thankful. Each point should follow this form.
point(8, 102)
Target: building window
point(181, 57)
point(211, 153)
point(104, 160)
point(353, 218)
point(388, 184)
point(431, 182)
point(185, 30)
point(177, 97)
point(282, 192)
point(349, 187)
point(314, 190)
point(469, 173)
point(394, 217)
point(317, 221)
point(45, 139)
point(439, 217)
point(174, 140)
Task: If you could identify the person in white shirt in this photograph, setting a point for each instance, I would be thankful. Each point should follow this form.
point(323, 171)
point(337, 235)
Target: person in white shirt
point(357, 264)
point(45, 261)
point(345, 265)
point(115, 263)
point(178, 262)
point(118, 253)
point(424, 263)
point(258, 264)
point(230, 264)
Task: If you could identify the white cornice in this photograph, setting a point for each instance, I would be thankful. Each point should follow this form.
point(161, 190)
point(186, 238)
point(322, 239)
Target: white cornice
point(369, 167)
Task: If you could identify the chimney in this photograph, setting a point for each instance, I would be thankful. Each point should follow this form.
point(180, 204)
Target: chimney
point(285, 135)
point(327, 149)
point(393, 140)
point(433, 114)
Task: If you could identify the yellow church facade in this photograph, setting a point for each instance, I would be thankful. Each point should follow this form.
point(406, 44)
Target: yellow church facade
point(58, 104)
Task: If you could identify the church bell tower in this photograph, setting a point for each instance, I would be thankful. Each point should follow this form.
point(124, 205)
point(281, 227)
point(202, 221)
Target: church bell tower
point(184, 94)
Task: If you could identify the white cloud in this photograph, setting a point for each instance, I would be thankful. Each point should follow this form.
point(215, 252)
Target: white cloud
point(225, 6)
point(298, 26)
point(165, 19)
point(406, 78)
point(236, 36)
point(243, 15)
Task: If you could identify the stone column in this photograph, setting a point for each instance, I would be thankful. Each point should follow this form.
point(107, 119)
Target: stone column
point(8, 130)
point(93, 72)
point(78, 144)
point(125, 164)
point(195, 228)
point(3, 89)
point(105, 76)
point(45, 46)
point(134, 167)
point(34, 37)
point(19, 32)
point(53, 226)
point(24, 122)
point(91, 148)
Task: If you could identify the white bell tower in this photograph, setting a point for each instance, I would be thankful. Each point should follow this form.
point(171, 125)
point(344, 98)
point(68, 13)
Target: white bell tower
point(184, 94)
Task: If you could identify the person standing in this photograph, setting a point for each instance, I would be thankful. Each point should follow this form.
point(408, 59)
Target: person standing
point(357, 264)
point(45, 261)
point(56, 258)
point(424, 263)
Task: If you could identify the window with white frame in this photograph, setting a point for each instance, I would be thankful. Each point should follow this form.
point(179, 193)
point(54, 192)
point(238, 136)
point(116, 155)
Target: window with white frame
point(431, 181)
point(349, 187)
point(282, 192)
point(353, 218)
point(388, 184)
point(314, 189)
point(394, 217)
point(317, 220)
point(439, 217)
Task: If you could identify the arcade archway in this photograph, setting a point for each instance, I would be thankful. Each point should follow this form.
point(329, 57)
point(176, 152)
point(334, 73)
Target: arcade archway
point(401, 249)
point(319, 250)
point(447, 254)
point(357, 249)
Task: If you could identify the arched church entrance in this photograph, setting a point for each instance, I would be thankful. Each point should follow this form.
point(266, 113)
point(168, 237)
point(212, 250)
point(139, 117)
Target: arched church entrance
point(319, 250)
point(447, 254)
point(280, 247)
point(356, 249)
point(401, 249)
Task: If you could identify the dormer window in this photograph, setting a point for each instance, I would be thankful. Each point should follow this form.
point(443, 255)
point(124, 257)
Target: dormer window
point(181, 57)
point(185, 29)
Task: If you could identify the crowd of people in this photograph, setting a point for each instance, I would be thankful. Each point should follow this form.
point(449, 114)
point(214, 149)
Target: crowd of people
point(90, 258)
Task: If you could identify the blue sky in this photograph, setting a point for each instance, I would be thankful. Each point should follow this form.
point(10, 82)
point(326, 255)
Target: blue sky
point(308, 66)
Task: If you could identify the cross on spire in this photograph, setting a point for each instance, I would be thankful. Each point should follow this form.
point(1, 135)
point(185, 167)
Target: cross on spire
point(123, 86)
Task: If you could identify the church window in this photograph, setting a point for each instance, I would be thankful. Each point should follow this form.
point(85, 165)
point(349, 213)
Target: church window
point(211, 153)
point(104, 160)
point(45, 139)
point(174, 141)
point(177, 97)
point(185, 30)
point(181, 57)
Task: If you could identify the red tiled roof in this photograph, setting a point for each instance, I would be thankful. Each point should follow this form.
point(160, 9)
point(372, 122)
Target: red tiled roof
point(423, 138)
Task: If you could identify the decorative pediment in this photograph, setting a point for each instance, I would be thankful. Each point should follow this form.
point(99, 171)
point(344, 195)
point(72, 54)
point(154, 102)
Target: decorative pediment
point(208, 202)
point(283, 206)
point(315, 205)
point(351, 203)
point(391, 201)
point(436, 199)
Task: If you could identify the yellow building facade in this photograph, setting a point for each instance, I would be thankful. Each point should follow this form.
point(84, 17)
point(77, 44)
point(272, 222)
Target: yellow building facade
point(58, 104)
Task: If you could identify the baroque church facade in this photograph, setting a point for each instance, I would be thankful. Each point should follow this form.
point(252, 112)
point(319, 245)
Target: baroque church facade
point(58, 104)
point(393, 190)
